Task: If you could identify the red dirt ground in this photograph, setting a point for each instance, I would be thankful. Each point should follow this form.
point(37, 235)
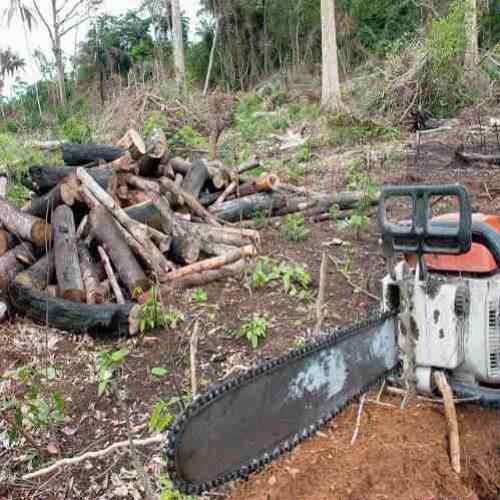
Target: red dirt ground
point(399, 454)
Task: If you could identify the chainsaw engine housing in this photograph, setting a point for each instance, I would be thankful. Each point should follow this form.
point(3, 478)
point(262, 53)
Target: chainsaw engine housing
point(454, 325)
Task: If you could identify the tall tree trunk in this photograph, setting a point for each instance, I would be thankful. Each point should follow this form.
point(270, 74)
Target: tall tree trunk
point(472, 49)
point(179, 43)
point(56, 48)
point(212, 54)
point(330, 99)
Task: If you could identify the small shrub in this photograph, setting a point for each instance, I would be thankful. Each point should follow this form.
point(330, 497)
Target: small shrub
point(187, 138)
point(39, 406)
point(200, 296)
point(253, 329)
point(294, 277)
point(153, 315)
point(161, 418)
point(294, 228)
point(107, 365)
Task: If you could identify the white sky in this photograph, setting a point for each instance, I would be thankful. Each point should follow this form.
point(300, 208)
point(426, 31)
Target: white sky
point(14, 36)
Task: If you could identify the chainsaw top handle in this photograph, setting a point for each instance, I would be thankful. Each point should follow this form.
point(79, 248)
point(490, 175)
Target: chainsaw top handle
point(419, 236)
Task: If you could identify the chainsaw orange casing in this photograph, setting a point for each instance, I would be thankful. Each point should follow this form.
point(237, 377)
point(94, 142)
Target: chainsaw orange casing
point(477, 260)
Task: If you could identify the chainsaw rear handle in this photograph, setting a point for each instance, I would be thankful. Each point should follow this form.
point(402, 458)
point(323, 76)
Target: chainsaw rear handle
point(419, 236)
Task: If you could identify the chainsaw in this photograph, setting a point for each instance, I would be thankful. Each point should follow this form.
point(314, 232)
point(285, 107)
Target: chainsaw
point(440, 311)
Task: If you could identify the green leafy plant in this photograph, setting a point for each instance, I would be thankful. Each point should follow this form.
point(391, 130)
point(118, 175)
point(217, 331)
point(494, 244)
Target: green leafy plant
point(168, 492)
point(187, 138)
point(200, 296)
point(153, 315)
point(260, 216)
point(253, 329)
point(161, 418)
point(293, 277)
point(159, 372)
point(154, 120)
point(334, 213)
point(357, 223)
point(294, 228)
point(39, 406)
point(107, 365)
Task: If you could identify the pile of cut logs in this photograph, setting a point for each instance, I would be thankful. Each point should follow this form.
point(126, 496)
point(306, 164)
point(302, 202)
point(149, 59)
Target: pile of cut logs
point(115, 221)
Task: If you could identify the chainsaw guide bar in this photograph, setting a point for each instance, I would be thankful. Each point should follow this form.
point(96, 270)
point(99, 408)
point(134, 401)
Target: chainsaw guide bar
point(243, 424)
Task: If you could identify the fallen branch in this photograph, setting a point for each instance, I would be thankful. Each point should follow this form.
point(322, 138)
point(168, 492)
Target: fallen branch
point(451, 419)
point(156, 439)
point(320, 306)
point(120, 299)
point(350, 282)
point(358, 419)
point(193, 348)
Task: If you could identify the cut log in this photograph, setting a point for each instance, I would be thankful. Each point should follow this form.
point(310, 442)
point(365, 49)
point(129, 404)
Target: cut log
point(195, 179)
point(52, 291)
point(142, 184)
point(25, 226)
point(244, 208)
point(13, 262)
point(145, 213)
point(471, 157)
point(156, 149)
point(206, 277)
point(209, 264)
point(67, 263)
point(185, 250)
point(225, 235)
point(40, 274)
point(183, 167)
point(265, 183)
point(133, 143)
point(7, 241)
point(43, 178)
point(140, 232)
point(112, 278)
point(168, 186)
point(94, 294)
point(77, 155)
point(102, 319)
point(44, 206)
point(107, 232)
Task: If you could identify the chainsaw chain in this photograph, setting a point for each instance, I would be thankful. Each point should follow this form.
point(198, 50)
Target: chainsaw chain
point(174, 435)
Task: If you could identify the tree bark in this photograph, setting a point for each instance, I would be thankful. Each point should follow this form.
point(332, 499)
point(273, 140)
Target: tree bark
point(472, 49)
point(105, 229)
point(331, 99)
point(43, 178)
point(185, 250)
point(40, 274)
point(93, 292)
point(13, 262)
point(44, 206)
point(178, 43)
point(102, 319)
point(7, 241)
point(68, 273)
point(25, 226)
point(194, 205)
point(195, 178)
point(142, 184)
point(244, 208)
point(77, 155)
point(133, 143)
point(156, 149)
point(112, 278)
